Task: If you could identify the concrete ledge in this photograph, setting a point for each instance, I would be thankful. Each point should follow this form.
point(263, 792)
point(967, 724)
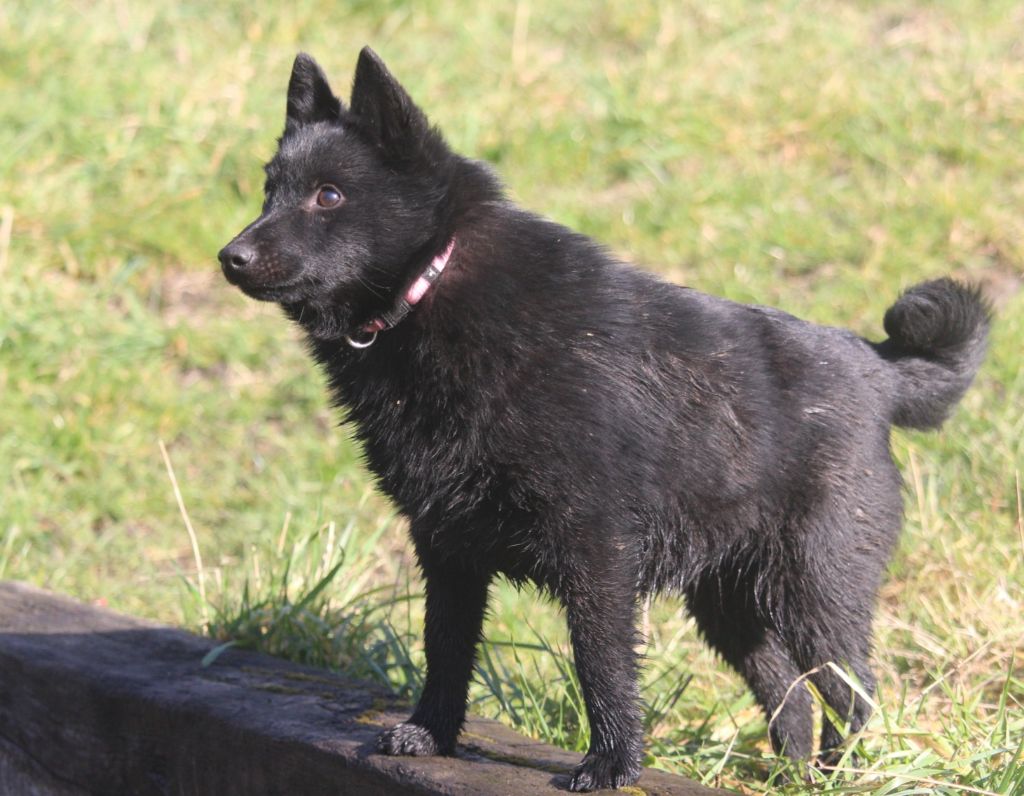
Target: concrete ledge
point(97, 702)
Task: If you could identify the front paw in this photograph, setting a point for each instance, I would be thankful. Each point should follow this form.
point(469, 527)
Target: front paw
point(597, 772)
point(407, 739)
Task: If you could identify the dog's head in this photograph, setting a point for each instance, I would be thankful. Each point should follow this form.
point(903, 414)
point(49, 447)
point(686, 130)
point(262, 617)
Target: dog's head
point(355, 198)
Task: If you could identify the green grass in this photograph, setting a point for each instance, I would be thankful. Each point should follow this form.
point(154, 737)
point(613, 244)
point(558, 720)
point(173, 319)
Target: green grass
point(813, 156)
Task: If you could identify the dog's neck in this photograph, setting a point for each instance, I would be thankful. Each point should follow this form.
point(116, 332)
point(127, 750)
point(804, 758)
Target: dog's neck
point(412, 296)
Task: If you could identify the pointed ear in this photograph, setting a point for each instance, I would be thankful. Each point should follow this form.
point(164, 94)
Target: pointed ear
point(310, 98)
point(385, 109)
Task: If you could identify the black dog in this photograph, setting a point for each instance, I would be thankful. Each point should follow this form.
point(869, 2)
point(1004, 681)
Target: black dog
point(541, 410)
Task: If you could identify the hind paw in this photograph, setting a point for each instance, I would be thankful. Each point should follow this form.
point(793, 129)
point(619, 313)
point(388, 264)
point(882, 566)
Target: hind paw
point(407, 739)
point(598, 772)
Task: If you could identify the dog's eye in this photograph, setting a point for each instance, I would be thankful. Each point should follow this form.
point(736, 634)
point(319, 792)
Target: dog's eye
point(328, 196)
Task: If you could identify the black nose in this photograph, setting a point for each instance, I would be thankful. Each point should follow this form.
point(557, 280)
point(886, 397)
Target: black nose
point(235, 256)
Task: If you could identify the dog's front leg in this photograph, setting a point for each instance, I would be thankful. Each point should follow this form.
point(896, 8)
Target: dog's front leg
point(456, 601)
point(601, 614)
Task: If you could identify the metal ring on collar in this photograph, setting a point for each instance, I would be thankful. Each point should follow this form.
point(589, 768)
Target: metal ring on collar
point(362, 343)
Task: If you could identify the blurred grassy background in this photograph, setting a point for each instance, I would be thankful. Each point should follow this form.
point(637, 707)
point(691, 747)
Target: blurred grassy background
point(814, 156)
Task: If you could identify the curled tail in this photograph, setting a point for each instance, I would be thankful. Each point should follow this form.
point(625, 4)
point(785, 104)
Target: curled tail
point(937, 338)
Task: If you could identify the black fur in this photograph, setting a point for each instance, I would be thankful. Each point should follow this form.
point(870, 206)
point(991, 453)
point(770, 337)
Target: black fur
point(551, 414)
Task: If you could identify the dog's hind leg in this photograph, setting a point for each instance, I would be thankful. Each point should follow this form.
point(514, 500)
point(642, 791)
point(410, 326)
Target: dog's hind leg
point(726, 610)
point(830, 638)
point(456, 602)
point(830, 604)
point(850, 707)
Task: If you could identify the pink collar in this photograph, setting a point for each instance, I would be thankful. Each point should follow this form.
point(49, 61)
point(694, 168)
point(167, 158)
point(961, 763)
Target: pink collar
point(412, 297)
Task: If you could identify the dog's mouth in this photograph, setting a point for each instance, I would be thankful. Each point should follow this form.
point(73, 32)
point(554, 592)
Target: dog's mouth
point(285, 292)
